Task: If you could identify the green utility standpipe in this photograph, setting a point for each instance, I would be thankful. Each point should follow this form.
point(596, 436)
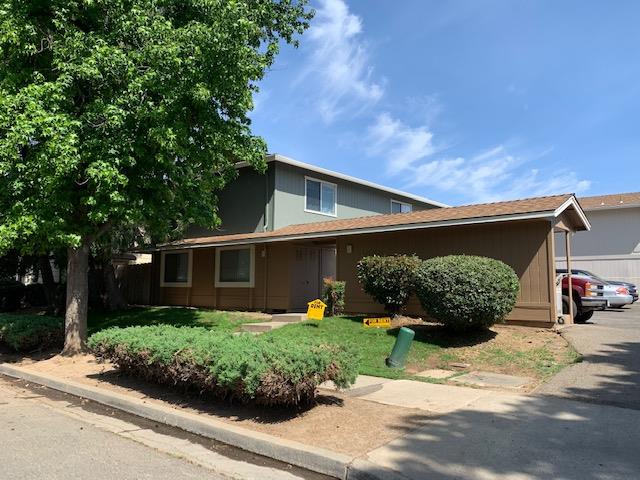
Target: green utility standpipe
point(401, 348)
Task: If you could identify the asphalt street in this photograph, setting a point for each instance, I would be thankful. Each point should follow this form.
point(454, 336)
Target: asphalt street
point(48, 435)
point(610, 371)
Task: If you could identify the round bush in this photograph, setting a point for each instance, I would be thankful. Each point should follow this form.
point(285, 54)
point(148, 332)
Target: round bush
point(466, 292)
point(389, 280)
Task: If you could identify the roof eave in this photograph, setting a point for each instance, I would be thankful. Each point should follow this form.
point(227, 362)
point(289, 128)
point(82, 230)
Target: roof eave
point(550, 215)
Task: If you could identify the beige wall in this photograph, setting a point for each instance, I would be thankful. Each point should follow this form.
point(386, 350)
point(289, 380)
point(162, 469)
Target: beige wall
point(611, 249)
point(525, 246)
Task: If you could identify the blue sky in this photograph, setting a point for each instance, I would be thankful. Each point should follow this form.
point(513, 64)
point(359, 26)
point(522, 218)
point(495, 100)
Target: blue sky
point(463, 101)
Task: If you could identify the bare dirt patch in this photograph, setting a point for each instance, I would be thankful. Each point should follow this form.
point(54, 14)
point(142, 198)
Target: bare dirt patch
point(336, 422)
point(524, 351)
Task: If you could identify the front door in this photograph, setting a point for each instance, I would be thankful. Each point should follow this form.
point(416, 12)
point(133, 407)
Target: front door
point(305, 277)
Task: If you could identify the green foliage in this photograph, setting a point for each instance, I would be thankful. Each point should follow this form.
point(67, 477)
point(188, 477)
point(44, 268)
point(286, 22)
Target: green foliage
point(333, 296)
point(25, 333)
point(466, 292)
point(128, 113)
point(389, 280)
point(245, 368)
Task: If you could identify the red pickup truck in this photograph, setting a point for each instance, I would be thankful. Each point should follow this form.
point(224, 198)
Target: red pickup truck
point(586, 297)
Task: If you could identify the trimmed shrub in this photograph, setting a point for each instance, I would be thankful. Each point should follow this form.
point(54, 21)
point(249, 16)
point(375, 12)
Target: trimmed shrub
point(333, 296)
point(389, 280)
point(243, 368)
point(466, 292)
point(25, 333)
point(11, 295)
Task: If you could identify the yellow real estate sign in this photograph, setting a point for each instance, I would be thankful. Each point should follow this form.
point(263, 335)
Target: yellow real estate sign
point(315, 309)
point(384, 322)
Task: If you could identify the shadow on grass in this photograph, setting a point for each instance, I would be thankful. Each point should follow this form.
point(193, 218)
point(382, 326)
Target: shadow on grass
point(211, 404)
point(138, 316)
point(436, 334)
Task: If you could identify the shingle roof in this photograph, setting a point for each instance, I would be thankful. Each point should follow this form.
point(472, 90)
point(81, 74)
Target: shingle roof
point(477, 213)
point(609, 201)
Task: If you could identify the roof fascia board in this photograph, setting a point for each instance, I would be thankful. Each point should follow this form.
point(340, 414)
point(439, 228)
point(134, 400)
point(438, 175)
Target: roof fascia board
point(347, 178)
point(361, 231)
point(612, 207)
point(572, 201)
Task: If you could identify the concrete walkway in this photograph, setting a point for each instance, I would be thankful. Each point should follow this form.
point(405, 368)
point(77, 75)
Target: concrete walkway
point(484, 434)
point(610, 371)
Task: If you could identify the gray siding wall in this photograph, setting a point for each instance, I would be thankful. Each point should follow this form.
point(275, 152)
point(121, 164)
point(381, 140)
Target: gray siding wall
point(353, 200)
point(613, 232)
point(243, 203)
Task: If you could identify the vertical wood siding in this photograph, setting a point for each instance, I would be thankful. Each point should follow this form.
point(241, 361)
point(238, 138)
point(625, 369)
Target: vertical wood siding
point(524, 246)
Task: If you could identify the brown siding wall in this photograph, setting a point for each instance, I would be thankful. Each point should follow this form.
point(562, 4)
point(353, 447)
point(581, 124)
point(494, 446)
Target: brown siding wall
point(525, 246)
point(272, 295)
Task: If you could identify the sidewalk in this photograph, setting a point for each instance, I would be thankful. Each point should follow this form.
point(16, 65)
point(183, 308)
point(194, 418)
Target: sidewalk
point(463, 433)
point(483, 434)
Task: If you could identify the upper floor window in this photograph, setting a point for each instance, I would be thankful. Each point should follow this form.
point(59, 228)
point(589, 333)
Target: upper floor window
point(176, 269)
point(400, 207)
point(320, 196)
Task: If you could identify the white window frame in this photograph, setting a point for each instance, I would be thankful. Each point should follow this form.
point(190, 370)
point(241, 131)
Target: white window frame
point(189, 269)
point(320, 212)
point(252, 267)
point(400, 203)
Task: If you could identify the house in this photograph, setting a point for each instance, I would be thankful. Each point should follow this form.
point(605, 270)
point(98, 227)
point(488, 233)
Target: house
point(612, 248)
point(292, 192)
point(299, 232)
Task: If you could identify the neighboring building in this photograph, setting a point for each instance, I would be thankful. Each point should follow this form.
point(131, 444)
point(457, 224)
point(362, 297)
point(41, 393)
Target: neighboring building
point(292, 192)
point(281, 268)
point(612, 248)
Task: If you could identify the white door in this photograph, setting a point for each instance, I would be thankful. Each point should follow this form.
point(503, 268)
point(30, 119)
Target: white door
point(305, 277)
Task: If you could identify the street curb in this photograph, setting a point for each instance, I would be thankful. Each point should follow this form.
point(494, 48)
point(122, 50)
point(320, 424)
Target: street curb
point(338, 465)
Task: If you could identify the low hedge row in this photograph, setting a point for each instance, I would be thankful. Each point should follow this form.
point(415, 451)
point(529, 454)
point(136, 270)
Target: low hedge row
point(25, 333)
point(242, 368)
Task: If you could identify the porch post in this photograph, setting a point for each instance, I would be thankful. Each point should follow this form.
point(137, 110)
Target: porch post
point(567, 243)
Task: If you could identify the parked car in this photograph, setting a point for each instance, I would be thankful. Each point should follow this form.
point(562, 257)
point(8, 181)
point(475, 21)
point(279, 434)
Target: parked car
point(617, 295)
point(585, 297)
point(633, 289)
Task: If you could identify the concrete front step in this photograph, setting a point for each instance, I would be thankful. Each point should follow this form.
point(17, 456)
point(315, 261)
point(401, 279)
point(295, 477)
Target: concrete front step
point(289, 317)
point(263, 326)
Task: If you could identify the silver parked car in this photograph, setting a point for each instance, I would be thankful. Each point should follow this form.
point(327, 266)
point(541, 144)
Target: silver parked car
point(617, 294)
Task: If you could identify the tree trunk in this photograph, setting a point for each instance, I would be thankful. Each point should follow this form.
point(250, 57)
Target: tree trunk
point(48, 283)
point(75, 319)
point(114, 300)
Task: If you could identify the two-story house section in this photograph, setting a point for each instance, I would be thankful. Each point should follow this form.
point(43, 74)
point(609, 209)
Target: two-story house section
point(288, 193)
point(292, 192)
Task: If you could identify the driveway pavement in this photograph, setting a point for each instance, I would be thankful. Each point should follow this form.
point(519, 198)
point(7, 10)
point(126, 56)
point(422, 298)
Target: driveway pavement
point(610, 371)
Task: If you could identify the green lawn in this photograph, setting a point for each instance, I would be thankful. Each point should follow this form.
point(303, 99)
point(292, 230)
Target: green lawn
point(528, 352)
point(187, 317)
point(374, 344)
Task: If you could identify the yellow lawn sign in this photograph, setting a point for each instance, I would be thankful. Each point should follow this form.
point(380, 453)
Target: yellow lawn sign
point(315, 309)
point(384, 322)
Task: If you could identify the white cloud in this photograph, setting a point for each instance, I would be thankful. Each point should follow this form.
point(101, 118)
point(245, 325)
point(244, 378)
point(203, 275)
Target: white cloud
point(340, 62)
point(491, 176)
point(401, 145)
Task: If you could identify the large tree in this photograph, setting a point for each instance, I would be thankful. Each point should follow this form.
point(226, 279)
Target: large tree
point(121, 112)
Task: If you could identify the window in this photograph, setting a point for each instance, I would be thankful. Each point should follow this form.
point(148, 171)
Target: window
point(176, 269)
point(400, 207)
point(320, 197)
point(235, 267)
